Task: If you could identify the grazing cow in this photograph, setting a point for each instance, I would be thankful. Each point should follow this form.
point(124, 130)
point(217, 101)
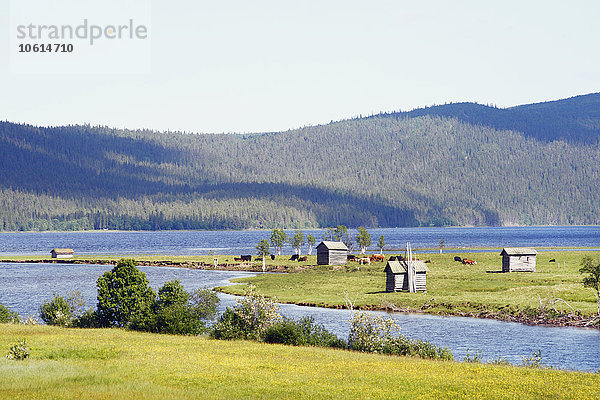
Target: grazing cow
point(237, 259)
point(272, 256)
point(469, 262)
point(457, 258)
point(376, 257)
point(246, 257)
point(364, 260)
point(427, 261)
point(303, 258)
point(257, 259)
point(350, 257)
point(553, 260)
point(294, 257)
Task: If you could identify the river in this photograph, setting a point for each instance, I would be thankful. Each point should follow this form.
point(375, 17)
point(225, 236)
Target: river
point(24, 287)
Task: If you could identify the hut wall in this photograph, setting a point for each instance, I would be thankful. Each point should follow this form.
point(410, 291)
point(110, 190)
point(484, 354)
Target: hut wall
point(399, 282)
point(518, 263)
point(331, 257)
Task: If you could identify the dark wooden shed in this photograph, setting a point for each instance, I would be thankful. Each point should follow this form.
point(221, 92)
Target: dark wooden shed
point(62, 253)
point(397, 276)
point(518, 259)
point(332, 253)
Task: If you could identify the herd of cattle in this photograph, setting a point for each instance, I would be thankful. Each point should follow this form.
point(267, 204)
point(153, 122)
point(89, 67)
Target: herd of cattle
point(358, 259)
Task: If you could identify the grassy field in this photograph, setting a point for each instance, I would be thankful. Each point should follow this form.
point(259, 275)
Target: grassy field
point(113, 363)
point(451, 286)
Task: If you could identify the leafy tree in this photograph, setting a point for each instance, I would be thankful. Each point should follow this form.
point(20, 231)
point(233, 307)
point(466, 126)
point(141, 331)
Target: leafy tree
point(171, 293)
point(310, 240)
point(442, 244)
point(122, 292)
point(363, 239)
point(591, 267)
point(278, 239)
point(297, 241)
point(329, 234)
point(381, 244)
point(341, 233)
point(262, 249)
point(6, 315)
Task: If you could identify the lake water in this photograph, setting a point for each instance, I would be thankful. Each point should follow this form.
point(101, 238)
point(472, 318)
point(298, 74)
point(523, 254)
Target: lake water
point(24, 287)
point(244, 242)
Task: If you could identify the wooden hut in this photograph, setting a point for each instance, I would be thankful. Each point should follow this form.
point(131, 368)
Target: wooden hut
point(62, 253)
point(332, 253)
point(397, 276)
point(518, 259)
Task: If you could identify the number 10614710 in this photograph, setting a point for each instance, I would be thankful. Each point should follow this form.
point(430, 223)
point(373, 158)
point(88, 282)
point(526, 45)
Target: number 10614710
point(45, 48)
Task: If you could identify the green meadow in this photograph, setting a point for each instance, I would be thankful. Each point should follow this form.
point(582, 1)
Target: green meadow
point(114, 363)
point(451, 286)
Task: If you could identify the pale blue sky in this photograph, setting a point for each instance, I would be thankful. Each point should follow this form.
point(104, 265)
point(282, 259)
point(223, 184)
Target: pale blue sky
point(248, 66)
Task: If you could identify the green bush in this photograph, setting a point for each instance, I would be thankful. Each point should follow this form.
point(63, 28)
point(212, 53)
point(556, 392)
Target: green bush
point(286, 332)
point(176, 311)
point(374, 334)
point(250, 317)
point(304, 332)
point(57, 311)
point(88, 319)
point(6, 315)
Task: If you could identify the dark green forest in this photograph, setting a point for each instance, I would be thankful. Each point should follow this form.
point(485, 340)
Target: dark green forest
point(455, 164)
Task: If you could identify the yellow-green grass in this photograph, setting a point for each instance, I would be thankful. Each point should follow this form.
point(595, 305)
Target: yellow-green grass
point(449, 283)
point(113, 363)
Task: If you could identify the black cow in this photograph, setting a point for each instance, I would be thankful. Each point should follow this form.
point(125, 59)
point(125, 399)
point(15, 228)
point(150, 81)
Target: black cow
point(246, 257)
point(272, 256)
point(350, 257)
point(553, 260)
point(457, 258)
point(294, 257)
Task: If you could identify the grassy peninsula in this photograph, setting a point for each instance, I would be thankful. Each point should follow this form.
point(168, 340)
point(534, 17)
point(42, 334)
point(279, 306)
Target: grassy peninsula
point(452, 288)
point(114, 363)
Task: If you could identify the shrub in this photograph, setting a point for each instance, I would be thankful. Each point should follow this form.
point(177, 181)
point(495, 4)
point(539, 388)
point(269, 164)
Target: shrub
point(250, 317)
point(18, 351)
point(88, 319)
point(176, 311)
point(369, 333)
point(56, 312)
point(6, 315)
point(285, 332)
point(302, 333)
point(122, 292)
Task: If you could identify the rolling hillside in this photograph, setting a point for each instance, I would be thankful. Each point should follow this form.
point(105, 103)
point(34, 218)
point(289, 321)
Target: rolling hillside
point(458, 164)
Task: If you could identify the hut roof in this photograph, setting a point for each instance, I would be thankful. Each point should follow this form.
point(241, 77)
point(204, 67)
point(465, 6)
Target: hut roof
point(518, 251)
point(333, 245)
point(400, 267)
point(63, 251)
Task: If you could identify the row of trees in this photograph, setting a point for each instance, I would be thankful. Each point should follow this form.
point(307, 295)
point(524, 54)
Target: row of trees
point(341, 233)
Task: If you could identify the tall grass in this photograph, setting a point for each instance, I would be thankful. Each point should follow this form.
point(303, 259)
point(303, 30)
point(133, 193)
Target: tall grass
point(113, 363)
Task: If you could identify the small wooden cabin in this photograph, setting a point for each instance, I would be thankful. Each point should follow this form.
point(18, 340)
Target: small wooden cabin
point(332, 253)
point(62, 253)
point(397, 276)
point(518, 259)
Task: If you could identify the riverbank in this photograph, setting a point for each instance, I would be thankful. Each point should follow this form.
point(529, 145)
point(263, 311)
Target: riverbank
point(114, 363)
point(552, 296)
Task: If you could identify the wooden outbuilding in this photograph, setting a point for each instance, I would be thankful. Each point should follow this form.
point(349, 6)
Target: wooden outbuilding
point(518, 259)
point(397, 276)
point(62, 253)
point(332, 253)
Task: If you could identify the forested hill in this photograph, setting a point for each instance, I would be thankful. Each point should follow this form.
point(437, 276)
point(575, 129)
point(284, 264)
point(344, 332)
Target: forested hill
point(401, 169)
point(576, 119)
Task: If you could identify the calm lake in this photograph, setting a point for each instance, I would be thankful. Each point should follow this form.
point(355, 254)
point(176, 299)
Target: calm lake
point(244, 242)
point(23, 287)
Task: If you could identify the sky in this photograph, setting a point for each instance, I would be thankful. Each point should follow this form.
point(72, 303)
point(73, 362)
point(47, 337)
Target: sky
point(272, 65)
